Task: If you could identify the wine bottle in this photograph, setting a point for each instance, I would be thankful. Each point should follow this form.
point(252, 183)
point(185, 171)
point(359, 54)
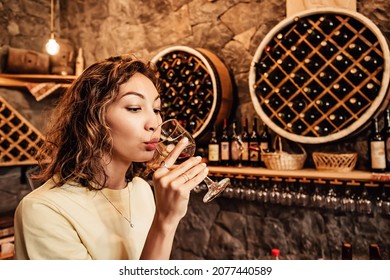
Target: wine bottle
point(356, 76)
point(213, 148)
point(328, 49)
point(79, 67)
point(314, 37)
point(299, 78)
point(341, 38)
point(355, 50)
point(386, 133)
point(327, 25)
point(338, 120)
point(370, 62)
point(327, 78)
point(254, 153)
point(275, 254)
point(303, 25)
point(313, 65)
point(312, 90)
point(265, 140)
point(377, 148)
point(245, 143)
point(235, 146)
point(346, 251)
point(356, 104)
point(341, 62)
point(225, 145)
point(374, 252)
point(340, 89)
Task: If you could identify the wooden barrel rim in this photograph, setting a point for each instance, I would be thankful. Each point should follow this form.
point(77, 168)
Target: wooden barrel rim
point(221, 84)
point(369, 113)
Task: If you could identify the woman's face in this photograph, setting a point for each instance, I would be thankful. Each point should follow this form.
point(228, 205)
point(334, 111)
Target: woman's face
point(132, 118)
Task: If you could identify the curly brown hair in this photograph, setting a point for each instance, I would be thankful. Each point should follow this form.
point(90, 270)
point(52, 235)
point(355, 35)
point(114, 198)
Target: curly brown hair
point(78, 135)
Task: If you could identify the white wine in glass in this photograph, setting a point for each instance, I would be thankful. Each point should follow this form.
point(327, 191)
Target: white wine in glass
point(169, 133)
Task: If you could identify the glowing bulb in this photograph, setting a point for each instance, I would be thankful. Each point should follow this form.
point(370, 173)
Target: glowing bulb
point(52, 47)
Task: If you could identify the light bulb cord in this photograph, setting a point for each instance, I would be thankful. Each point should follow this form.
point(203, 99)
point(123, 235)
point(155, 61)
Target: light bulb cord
point(52, 19)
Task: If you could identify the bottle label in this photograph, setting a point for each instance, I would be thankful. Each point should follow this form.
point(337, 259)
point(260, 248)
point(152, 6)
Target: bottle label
point(213, 152)
point(254, 152)
point(235, 151)
point(388, 149)
point(225, 151)
point(245, 152)
point(378, 155)
point(264, 146)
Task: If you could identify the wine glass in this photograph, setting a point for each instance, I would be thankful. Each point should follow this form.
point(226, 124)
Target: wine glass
point(169, 133)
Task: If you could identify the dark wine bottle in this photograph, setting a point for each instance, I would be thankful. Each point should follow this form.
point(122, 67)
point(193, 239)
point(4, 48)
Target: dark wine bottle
point(312, 90)
point(225, 145)
point(355, 50)
point(346, 251)
point(341, 62)
point(254, 142)
point(303, 25)
point(377, 148)
point(386, 133)
point(326, 78)
point(356, 76)
point(340, 89)
point(327, 25)
point(341, 38)
point(245, 143)
point(213, 149)
point(265, 140)
point(327, 49)
point(356, 104)
point(370, 62)
point(235, 146)
point(374, 252)
point(314, 37)
point(313, 65)
point(338, 119)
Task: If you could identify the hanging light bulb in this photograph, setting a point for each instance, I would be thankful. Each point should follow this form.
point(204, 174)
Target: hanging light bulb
point(52, 47)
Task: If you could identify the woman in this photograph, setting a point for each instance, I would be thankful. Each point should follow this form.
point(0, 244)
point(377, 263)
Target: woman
point(92, 204)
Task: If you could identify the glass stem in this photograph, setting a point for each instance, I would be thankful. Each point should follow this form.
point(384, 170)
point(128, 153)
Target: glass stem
point(208, 181)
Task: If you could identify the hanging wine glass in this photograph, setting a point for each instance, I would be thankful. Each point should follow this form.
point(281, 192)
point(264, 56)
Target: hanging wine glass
point(169, 133)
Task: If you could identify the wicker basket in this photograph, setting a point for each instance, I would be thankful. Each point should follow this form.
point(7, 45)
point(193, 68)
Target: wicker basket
point(335, 162)
point(281, 160)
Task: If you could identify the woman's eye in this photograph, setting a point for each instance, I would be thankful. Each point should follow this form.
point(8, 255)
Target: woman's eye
point(157, 111)
point(133, 109)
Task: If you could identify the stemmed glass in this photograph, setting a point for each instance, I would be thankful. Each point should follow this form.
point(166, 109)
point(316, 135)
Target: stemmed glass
point(169, 133)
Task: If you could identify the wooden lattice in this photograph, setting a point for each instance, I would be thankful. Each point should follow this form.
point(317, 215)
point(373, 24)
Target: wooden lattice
point(19, 139)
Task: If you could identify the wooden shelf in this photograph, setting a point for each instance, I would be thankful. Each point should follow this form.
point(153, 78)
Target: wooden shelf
point(353, 177)
point(40, 86)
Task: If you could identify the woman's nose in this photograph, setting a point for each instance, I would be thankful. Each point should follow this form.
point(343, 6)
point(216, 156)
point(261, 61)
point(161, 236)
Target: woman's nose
point(154, 123)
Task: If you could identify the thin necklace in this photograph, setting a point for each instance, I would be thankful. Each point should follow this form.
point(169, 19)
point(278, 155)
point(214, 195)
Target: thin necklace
point(113, 205)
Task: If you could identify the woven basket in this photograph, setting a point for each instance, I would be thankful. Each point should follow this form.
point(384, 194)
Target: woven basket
point(335, 162)
point(281, 160)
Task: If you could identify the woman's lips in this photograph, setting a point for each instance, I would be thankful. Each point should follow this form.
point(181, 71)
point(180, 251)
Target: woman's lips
point(151, 145)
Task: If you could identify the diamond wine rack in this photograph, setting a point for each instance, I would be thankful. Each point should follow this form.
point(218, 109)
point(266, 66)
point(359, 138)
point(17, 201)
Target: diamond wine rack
point(320, 75)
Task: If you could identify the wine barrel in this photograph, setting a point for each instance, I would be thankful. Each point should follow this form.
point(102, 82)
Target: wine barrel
point(196, 88)
point(320, 75)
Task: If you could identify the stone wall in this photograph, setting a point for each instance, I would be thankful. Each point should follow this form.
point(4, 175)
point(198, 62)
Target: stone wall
point(232, 29)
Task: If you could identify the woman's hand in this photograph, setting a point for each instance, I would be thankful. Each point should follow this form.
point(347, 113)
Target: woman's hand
point(173, 184)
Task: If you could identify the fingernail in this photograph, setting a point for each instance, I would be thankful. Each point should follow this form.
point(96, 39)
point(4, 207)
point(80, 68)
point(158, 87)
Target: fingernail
point(199, 158)
point(206, 170)
point(185, 140)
